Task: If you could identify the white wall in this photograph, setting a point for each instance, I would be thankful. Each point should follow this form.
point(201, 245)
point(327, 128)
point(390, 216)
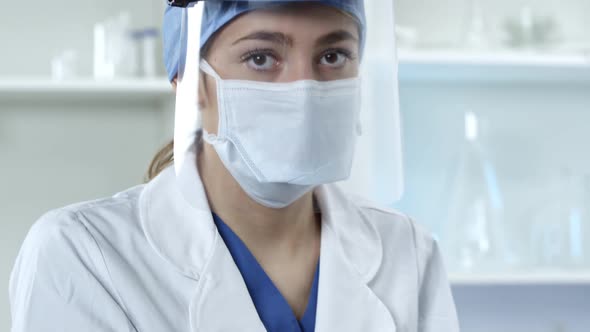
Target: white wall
point(57, 152)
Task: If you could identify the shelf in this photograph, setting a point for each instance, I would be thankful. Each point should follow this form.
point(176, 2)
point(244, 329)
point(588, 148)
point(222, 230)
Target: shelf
point(455, 66)
point(524, 279)
point(130, 90)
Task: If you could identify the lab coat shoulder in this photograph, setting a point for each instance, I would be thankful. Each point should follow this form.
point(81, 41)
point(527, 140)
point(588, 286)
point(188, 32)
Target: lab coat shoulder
point(60, 281)
point(411, 268)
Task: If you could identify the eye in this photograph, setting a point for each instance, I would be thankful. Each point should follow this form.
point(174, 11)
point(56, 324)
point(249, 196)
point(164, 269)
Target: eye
point(334, 59)
point(261, 61)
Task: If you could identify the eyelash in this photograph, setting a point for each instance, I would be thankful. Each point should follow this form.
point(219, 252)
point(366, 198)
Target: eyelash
point(269, 52)
point(348, 54)
point(252, 53)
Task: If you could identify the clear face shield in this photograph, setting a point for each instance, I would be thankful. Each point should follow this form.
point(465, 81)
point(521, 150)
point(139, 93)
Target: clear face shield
point(291, 95)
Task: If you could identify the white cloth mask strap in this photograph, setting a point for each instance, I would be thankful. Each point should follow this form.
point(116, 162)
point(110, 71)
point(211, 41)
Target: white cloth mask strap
point(207, 69)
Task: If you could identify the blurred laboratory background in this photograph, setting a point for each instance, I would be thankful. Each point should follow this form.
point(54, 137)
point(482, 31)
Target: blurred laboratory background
point(495, 102)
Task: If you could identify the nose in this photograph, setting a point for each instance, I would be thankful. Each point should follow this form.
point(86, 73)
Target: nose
point(300, 68)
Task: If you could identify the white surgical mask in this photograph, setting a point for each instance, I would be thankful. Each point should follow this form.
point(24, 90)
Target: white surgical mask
point(279, 140)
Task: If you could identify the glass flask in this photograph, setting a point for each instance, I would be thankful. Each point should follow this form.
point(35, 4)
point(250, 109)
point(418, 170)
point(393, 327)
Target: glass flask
point(476, 34)
point(560, 234)
point(473, 229)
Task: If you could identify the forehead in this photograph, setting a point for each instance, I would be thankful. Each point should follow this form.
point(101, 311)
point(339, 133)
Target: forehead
point(304, 19)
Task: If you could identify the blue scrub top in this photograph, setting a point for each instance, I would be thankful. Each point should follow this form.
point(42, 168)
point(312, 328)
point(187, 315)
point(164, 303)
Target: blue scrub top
point(273, 309)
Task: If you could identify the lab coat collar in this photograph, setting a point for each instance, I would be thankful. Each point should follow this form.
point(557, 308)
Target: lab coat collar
point(176, 218)
point(178, 223)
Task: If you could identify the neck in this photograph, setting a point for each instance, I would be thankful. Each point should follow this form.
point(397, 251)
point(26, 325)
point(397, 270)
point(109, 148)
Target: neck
point(265, 231)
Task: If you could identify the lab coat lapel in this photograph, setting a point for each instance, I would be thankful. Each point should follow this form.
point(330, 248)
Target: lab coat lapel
point(345, 301)
point(178, 223)
point(222, 302)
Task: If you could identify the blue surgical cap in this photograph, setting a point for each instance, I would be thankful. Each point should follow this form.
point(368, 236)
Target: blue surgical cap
point(218, 13)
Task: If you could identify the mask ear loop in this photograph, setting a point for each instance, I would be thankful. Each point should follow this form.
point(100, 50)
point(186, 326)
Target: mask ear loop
point(207, 69)
point(210, 138)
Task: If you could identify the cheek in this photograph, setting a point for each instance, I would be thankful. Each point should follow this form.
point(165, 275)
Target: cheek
point(208, 102)
point(211, 93)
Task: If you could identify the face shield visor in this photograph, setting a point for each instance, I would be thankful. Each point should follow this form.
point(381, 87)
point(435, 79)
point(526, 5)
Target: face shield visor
point(291, 95)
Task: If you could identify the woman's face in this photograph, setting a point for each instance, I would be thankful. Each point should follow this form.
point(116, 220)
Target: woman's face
point(283, 44)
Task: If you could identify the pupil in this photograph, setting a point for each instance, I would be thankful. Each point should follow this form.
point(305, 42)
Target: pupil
point(331, 58)
point(260, 60)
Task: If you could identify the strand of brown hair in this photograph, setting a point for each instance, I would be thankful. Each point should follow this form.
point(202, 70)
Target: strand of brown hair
point(162, 159)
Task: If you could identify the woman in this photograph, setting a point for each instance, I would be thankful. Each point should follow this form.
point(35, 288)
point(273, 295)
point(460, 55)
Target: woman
point(244, 233)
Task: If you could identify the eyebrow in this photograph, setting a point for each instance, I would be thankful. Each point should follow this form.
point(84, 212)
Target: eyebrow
point(280, 38)
point(335, 37)
point(273, 37)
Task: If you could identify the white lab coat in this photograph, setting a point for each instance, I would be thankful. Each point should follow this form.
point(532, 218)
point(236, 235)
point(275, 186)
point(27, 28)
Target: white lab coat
point(146, 260)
